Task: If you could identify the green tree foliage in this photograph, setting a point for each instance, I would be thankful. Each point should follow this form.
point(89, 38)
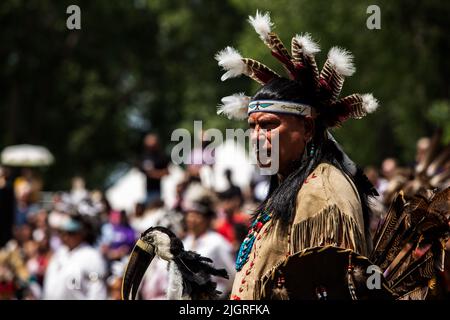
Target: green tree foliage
point(90, 94)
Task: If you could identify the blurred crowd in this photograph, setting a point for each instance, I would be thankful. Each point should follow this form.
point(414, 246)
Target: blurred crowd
point(74, 245)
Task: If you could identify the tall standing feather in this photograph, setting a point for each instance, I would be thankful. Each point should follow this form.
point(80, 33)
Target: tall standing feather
point(280, 52)
point(303, 49)
point(342, 61)
point(338, 66)
point(263, 26)
point(304, 46)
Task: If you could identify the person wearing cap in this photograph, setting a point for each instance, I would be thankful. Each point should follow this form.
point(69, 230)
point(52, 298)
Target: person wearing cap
point(198, 206)
point(77, 270)
point(317, 195)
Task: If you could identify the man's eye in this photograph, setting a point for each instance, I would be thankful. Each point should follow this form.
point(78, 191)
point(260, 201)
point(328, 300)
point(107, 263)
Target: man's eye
point(268, 125)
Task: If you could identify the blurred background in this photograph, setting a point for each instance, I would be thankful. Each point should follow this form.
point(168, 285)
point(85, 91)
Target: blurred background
point(86, 118)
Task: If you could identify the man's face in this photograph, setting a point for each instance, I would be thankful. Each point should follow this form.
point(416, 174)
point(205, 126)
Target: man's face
point(293, 134)
point(71, 239)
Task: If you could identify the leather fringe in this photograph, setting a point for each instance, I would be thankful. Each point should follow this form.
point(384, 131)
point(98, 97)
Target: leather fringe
point(328, 227)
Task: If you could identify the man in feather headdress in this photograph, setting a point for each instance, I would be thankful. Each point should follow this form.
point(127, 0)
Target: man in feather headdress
point(318, 197)
point(309, 239)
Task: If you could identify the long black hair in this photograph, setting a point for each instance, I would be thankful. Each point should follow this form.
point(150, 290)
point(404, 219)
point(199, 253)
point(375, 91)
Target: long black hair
point(281, 200)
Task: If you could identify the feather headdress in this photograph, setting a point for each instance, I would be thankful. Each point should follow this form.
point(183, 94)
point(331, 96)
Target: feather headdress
point(300, 64)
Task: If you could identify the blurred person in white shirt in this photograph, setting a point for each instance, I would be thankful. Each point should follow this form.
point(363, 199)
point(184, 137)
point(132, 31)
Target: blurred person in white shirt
point(199, 214)
point(77, 270)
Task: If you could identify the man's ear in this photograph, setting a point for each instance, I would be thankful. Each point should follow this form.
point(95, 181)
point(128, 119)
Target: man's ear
point(309, 128)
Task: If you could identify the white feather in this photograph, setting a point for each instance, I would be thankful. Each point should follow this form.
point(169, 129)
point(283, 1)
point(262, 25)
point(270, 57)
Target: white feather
point(234, 106)
point(342, 61)
point(161, 242)
point(261, 24)
point(308, 45)
point(231, 61)
point(369, 103)
point(175, 286)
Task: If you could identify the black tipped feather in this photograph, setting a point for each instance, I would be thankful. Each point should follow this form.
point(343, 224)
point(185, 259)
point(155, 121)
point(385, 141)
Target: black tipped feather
point(197, 271)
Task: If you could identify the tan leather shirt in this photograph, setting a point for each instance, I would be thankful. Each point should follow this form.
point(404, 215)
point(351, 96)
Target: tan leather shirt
point(328, 212)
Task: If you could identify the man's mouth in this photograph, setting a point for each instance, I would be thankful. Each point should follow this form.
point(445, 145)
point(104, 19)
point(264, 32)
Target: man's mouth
point(264, 157)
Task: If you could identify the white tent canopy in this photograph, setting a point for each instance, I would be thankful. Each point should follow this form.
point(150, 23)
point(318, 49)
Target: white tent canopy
point(127, 191)
point(26, 155)
point(231, 155)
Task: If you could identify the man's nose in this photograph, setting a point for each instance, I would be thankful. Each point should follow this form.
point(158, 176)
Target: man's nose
point(259, 137)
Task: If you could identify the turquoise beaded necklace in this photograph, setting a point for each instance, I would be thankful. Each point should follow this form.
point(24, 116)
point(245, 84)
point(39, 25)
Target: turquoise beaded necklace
point(247, 244)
